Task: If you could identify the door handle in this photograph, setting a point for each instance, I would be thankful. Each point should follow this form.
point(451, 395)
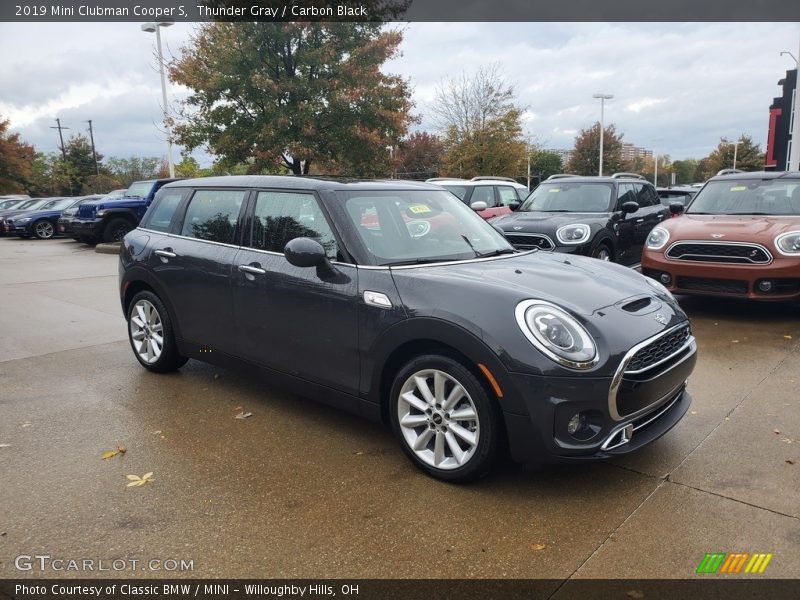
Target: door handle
point(251, 270)
point(165, 254)
point(640, 220)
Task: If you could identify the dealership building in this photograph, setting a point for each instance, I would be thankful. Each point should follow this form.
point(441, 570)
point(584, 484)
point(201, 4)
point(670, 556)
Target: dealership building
point(781, 122)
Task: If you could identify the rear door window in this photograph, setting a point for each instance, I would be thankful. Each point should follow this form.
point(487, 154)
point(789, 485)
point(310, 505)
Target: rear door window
point(507, 195)
point(483, 193)
point(212, 215)
point(280, 217)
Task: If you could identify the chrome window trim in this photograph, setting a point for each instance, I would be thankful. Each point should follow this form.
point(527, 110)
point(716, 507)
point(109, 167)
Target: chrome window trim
point(718, 243)
point(619, 374)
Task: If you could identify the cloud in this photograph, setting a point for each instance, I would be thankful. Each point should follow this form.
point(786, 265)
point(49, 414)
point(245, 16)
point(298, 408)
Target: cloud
point(677, 87)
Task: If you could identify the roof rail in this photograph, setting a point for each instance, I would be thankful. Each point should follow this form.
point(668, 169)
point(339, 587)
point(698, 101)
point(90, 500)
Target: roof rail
point(561, 176)
point(445, 179)
point(493, 178)
point(728, 172)
point(631, 175)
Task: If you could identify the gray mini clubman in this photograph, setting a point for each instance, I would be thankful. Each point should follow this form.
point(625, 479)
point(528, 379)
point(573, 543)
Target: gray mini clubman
point(395, 301)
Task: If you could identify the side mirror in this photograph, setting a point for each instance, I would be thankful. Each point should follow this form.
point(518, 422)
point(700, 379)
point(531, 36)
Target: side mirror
point(676, 208)
point(514, 205)
point(305, 252)
point(478, 206)
point(629, 207)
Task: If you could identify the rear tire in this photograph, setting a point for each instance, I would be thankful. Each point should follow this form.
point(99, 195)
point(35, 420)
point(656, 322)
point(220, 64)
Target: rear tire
point(446, 422)
point(603, 252)
point(116, 229)
point(151, 334)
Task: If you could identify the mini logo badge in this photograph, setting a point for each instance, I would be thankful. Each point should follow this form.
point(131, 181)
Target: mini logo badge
point(716, 236)
point(517, 227)
point(661, 318)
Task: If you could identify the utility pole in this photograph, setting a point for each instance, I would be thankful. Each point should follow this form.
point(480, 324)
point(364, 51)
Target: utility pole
point(655, 174)
point(794, 157)
point(735, 152)
point(94, 154)
point(602, 98)
point(61, 137)
point(156, 28)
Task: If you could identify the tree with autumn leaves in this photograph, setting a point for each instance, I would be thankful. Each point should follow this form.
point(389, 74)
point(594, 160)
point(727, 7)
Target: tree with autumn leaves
point(293, 95)
point(16, 161)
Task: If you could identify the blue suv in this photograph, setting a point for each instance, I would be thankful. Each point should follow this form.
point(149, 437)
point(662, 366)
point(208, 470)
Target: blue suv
point(108, 220)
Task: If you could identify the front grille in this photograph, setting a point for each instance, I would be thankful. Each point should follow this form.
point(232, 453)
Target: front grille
point(716, 286)
point(85, 212)
point(720, 252)
point(528, 241)
point(659, 350)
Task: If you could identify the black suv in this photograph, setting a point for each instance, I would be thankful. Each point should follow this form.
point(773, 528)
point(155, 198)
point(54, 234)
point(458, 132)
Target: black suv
point(396, 301)
point(604, 217)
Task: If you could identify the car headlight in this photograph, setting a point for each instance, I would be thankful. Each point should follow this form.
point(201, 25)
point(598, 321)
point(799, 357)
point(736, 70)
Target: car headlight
point(556, 334)
point(658, 238)
point(573, 234)
point(100, 213)
point(788, 243)
point(20, 221)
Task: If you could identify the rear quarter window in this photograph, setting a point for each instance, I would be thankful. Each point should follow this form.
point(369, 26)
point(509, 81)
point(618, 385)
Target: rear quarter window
point(162, 211)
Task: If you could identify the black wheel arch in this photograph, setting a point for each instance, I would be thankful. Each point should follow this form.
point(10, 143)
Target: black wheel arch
point(426, 335)
point(139, 280)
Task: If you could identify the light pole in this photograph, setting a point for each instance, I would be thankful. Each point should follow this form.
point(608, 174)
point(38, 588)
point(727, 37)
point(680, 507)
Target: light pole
point(794, 155)
point(735, 152)
point(602, 98)
point(655, 169)
point(156, 28)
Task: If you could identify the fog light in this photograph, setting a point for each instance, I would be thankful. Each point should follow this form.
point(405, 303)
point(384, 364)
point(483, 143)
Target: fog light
point(576, 423)
point(665, 278)
point(765, 286)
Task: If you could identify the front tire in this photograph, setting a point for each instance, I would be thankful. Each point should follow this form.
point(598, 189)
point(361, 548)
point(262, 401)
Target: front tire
point(43, 230)
point(116, 229)
point(151, 334)
point(603, 252)
point(445, 421)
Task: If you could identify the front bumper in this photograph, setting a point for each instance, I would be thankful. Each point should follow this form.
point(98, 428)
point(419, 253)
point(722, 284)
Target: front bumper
point(622, 413)
point(19, 230)
point(721, 279)
point(64, 225)
point(90, 228)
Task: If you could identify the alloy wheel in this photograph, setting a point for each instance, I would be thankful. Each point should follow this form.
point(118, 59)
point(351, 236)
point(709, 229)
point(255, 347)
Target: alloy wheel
point(438, 419)
point(44, 230)
point(147, 331)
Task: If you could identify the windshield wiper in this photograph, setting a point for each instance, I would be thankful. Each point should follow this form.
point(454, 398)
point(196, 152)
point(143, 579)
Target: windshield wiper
point(415, 261)
point(498, 252)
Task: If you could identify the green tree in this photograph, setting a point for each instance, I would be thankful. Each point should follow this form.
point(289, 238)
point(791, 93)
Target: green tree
point(685, 171)
point(79, 155)
point(52, 176)
point(293, 95)
point(135, 168)
point(16, 161)
point(749, 156)
point(585, 158)
point(544, 164)
point(482, 125)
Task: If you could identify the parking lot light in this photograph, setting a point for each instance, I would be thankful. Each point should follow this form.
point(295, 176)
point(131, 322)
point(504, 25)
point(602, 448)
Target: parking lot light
point(155, 27)
point(602, 98)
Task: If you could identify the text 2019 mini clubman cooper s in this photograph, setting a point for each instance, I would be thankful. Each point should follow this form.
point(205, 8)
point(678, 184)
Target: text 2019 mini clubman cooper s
point(396, 301)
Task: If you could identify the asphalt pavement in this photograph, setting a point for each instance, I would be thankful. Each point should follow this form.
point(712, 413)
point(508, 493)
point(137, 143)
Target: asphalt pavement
point(298, 489)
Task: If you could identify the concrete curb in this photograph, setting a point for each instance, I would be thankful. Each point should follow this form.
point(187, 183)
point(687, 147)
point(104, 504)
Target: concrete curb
point(108, 248)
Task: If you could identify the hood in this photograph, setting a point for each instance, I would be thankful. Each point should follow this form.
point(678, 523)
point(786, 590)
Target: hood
point(7, 214)
point(545, 222)
point(36, 214)
point(727, 228)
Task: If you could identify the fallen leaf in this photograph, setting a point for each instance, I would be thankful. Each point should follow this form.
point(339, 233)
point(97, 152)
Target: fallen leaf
point(694, 412)
point(113, 453)
point(790, 461)
point(734, 341)
point(727, 418)
point(159, 432)
point(26, 424)
point(788, 337)
point(243, 415)
point(136, 481)
point(538, 546)
point(776, 431)
point(787, 440)
point(5, 445)
point(635, 594)
point(358, 453)
point(238, 408)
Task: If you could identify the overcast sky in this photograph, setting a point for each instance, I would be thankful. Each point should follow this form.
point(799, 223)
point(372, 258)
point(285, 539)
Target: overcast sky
point(677, 87)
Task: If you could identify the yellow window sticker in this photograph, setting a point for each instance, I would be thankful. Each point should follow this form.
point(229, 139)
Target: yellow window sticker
point(738, 188)
point(554, 190)
point(419, 209)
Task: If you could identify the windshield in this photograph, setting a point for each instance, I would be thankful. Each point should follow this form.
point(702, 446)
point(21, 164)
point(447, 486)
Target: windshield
point(57, 204)
point(570, 197)
point(777, 197)
point(10, 204)
point(420, 226)
point(35, 203)
point(139, 189)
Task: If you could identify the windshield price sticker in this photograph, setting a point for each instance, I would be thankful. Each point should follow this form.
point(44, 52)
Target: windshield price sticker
point(419, 209)
point(738, 188)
